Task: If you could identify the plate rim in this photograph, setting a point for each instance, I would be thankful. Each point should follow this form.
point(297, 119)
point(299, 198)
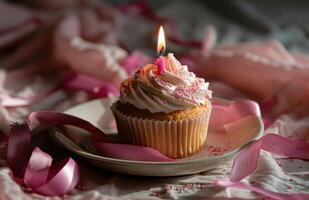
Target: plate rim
point(90, 155)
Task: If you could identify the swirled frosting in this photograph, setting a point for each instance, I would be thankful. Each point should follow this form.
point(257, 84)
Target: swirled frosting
point(173, 89)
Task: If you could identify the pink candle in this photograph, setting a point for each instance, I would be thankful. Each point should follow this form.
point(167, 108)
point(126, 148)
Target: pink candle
point(160, 62)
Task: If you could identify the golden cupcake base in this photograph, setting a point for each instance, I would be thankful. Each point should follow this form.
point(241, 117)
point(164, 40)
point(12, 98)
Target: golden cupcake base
point(173, 138)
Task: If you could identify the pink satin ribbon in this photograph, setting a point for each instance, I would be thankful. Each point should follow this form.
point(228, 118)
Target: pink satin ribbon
point(33, 168)
point(233, 112)
point(246, 161)
point(98, 138)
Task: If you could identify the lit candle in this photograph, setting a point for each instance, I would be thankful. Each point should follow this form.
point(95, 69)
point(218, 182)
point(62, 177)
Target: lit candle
point(161, 42)
point(160, 50)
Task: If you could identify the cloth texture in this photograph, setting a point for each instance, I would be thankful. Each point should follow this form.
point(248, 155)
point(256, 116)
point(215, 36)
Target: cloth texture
point(42, 44)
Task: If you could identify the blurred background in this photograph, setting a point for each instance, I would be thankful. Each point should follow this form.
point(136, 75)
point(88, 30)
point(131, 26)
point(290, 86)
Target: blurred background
point(241, 20)
point(235, 20)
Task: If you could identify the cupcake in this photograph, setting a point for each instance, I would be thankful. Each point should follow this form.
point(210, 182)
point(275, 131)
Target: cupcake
point(164, 106)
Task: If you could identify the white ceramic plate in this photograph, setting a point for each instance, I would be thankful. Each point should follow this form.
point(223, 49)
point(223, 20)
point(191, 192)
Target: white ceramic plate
point(220, 146)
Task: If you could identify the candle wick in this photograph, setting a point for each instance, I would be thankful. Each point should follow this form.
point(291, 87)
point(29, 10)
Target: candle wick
point(162, 51)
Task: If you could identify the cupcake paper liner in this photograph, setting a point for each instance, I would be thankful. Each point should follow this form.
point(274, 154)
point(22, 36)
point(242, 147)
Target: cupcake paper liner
point(175, 139)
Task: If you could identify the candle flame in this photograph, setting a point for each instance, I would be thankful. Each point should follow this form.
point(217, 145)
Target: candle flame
point(161, 41)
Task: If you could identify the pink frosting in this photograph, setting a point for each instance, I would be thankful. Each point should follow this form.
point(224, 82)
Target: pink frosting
point(165, 87)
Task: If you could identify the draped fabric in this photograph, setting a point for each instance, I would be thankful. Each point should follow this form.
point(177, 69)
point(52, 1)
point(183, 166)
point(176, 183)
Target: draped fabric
point(50, 50)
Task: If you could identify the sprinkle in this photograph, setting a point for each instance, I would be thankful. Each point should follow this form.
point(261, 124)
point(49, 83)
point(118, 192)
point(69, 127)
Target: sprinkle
point(218, 150)
point(82, 187)
point(96, 89)
point(179, 189)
